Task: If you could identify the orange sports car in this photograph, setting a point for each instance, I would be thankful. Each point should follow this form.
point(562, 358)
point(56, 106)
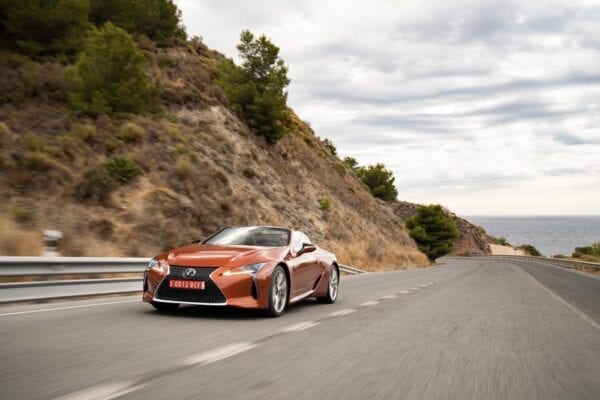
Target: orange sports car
point(260, 267)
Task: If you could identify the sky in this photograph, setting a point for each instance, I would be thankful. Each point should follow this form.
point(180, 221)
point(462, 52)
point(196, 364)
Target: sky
point(485, 107)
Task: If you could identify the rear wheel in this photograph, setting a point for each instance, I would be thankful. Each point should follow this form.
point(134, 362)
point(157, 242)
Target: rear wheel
point(165, 307)
point(332, 287)
point(278, 291)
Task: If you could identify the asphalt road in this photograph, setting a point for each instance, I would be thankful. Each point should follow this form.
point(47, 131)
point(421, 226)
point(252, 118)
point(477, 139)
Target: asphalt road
point(468, 329)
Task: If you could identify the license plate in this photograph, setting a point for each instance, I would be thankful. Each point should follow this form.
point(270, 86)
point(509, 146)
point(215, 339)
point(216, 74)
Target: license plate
point(193, 285)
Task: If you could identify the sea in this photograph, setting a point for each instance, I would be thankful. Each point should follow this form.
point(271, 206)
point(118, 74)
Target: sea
point(551, 235)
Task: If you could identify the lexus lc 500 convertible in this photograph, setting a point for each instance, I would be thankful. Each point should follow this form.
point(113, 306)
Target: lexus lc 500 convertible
point(260, 267)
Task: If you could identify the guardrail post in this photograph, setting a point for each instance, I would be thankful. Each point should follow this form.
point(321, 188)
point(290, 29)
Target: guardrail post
point(51, 240)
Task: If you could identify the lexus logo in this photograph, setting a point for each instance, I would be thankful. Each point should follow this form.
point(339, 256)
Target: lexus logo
point(189, 273)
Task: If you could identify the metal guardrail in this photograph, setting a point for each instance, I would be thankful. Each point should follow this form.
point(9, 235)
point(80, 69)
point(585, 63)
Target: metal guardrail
point(578, 265)
point(40, 275)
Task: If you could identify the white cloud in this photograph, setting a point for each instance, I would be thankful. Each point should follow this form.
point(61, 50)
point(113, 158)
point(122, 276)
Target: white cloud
point(486, 107)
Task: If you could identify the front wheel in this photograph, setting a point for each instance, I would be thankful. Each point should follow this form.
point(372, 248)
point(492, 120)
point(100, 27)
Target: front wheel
point(165, 307)
point(332, 288)
point(278, 291)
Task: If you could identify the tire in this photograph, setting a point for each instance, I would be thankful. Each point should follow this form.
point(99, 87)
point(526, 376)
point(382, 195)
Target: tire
point(165, 307)
point(333, 287)
point(278, 292)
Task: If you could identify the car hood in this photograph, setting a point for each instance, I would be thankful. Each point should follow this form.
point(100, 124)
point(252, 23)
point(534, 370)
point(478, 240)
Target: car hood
point(205, 255)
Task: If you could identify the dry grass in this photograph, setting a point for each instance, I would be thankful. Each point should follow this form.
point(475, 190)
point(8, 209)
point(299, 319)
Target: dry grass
point(16, 241)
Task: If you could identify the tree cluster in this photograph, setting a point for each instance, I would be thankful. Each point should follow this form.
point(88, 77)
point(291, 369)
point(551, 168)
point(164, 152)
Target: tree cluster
point(433, 231)
point(58, 27)
point(109, 74)
point(256, 88)
point(377, 178)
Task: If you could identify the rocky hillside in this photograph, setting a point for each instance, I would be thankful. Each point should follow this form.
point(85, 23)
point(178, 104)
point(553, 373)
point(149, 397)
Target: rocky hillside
point(189, 167)
point(472, 239)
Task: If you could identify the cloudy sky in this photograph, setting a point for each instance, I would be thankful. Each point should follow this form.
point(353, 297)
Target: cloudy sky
point(487, 107)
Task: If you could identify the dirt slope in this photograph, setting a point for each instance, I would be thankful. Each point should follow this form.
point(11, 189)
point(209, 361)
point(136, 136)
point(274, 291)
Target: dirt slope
point(200, 169)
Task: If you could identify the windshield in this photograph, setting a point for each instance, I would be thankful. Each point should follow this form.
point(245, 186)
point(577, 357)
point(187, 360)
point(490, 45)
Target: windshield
point(251, 236)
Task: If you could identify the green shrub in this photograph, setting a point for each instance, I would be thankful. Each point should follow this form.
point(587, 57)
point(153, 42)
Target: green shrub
point(22, 213)
point(593, 250)
point(257, 88)
point(110, 75)
point(183, 168)
point(45, 27)
point(113, 144)
point(324, 204)
point(130, 132)
point(31, 142)
point(331, 147)
point(121, 168)
point(157, 19)
point(529, 249)
point(249, 173)
point(38, 161)
point(379, 181)
point(351, 163)
point(96, 185)
point(72, 140)
point(433, 231)
point(502, 241)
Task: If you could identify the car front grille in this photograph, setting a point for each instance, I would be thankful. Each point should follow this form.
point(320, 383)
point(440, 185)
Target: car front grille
point(210, 294)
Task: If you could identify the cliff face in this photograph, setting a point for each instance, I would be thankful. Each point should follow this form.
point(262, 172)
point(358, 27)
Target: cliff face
point(472, 239)
point(199, 168)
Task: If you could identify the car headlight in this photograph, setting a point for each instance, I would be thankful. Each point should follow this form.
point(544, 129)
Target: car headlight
point(153, 264)
point(250, 269)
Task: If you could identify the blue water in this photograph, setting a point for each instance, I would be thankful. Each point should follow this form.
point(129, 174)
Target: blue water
point(550, 235)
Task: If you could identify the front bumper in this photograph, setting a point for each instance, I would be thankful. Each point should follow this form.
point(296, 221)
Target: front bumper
point(242, 291)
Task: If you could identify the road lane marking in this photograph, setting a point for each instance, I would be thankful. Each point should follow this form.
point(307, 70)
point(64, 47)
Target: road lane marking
point(218, 354)
point(423, 286)
point(403, 292)
point(344, 311)
point(370, 303)
point(572, 307)
point(67, 308)
point(389, 296)
point(104, 392)
point(299, 326)
point(414, 288)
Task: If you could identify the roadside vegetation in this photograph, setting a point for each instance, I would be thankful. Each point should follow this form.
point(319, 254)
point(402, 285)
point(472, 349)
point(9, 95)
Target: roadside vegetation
point(589, 253)
point(433, 230)
point(376, 178)
point(131, 139)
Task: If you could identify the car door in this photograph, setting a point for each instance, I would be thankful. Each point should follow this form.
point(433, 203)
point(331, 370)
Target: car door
point(301, 265)
point(315, 269)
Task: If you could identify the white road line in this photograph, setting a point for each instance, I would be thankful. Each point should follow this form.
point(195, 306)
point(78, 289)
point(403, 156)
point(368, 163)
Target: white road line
point(431, 283)
point(299, 326)
point(370, 303)
point(573, 308)
point(67, 308)
point(414, 288)
point(219, 353)
point(403, 292)
point(389, 296)
point(104, 392)
point(423, 286)
point(344, 311)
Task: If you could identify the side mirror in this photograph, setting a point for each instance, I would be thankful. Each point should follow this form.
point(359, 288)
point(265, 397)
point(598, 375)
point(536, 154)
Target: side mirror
point(307, 248)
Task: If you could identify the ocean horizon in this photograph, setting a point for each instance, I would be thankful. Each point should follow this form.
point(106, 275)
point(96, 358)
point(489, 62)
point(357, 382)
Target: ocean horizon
point(550, 234)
